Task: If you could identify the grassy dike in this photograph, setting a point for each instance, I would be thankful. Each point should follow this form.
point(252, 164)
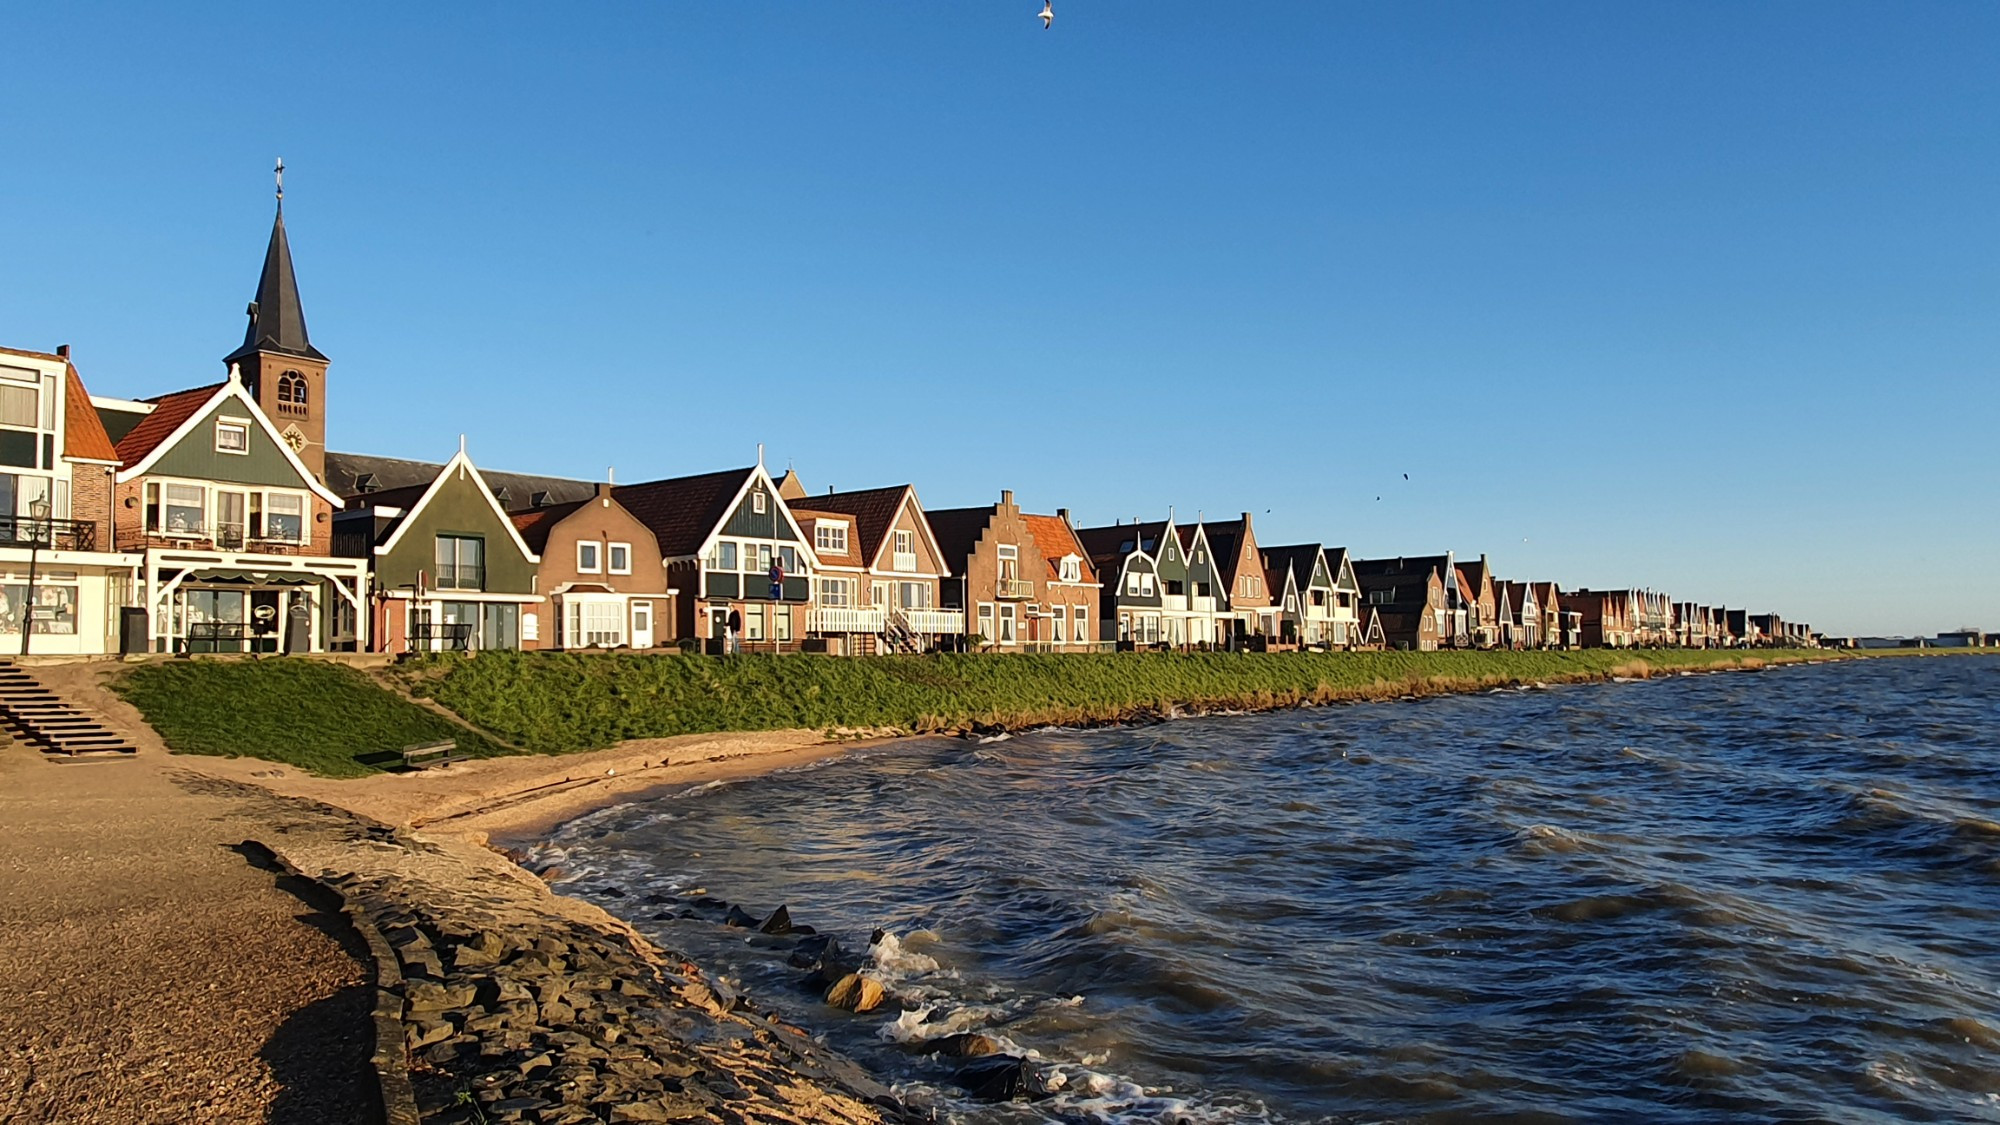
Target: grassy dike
point(337, 721)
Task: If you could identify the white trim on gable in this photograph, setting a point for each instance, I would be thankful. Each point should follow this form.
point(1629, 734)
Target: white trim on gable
point(757, 473)
point(232, 389)
point(464, 463)
point(888, 543)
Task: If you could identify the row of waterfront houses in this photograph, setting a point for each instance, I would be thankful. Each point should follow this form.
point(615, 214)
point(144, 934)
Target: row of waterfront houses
point(214, 519)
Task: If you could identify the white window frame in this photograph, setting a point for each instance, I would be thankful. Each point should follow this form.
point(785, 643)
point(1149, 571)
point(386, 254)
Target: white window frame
point(611, 563)
point(595, 622)
point(237, 426)
point(1080, 620)
point(985, 623)
point(830, 536)
point(904, 555)
point(589, 556)
point(1056, 623)
point(758, 503)
point(836, 593)
point(1009, 624)
point(1072, 569)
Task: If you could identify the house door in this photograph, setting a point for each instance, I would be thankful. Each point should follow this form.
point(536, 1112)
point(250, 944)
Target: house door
point(642, 624)
point(718, 622)
point(264, 620)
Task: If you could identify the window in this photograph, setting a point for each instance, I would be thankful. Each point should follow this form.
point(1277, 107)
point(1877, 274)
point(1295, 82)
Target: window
point(830, 537)
point(1146, 585)
point(1007, 634)
point(1056, 624)
point(283, 516)
point(595, 623)
point(753, 623)
point(232, 436)
point(1202, 590)
point(906, 551)
point(291, 393)
point(1081, 616)
point(788, 557)
point(618, 558)
point(1010, 562)
point(20, 402)
point(757, 502)
point(835, 593)
point(759, 561)
point(587, 561)
point(986, 621)
point(723, 557)
point(913, 595)
point(461, 562)
point(781, 623)
point(27, 419)
point(1072, 569)
point(1175, 588)
point(1132, 583)
point(177, 509)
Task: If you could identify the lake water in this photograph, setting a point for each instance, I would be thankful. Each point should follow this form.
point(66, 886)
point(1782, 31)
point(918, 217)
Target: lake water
point(1761, 896)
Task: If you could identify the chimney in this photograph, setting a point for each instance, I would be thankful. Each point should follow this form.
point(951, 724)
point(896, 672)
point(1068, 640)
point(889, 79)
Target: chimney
point(1062, 514)
point(1006, 497)
point(62, 350)
point(1246, 521)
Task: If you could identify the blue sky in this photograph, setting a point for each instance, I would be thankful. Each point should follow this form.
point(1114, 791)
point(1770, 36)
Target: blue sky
point(1703, 296)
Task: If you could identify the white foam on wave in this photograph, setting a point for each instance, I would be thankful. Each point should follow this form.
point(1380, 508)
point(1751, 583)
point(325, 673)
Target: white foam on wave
point(896, 960)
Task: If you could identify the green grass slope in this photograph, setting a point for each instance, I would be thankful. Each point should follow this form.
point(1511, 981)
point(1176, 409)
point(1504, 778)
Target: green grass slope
point(325, 718)
point(556, 702)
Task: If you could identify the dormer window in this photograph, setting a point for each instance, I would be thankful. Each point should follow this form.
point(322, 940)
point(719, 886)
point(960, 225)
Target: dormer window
point(1072, 569)
point(830, 536)
point(232, 435)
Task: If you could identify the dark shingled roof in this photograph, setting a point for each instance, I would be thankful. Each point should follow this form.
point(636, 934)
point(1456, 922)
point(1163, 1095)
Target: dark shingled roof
point(1296, 559)
point(1406, 579)
point(956, 530)
point(1224, 540)
point(346, 471)
point(1107, 544)
point(682, 511)
point(874, 511)
point(536, 523)
point(278, 321)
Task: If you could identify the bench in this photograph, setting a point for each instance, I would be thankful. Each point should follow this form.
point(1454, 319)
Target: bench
point(428, 754)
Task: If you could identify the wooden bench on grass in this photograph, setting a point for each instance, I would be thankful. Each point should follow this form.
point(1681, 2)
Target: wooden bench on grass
point(428, 754)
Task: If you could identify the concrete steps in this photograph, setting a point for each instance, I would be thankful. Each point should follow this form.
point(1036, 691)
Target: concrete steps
point(33, 714)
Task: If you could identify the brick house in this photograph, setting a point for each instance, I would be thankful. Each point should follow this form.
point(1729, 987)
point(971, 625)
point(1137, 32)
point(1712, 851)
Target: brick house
point(1064, 618)
point(1248, 607)
point(1317, 594)
point(1482, 624)
point(881, 572)
point(602, 573)
point(1406, 599)
point(731, 547)
point(999, 567)
point(1604, 617)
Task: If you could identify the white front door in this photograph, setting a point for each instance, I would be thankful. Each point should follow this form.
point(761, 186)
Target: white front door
point(642, 624)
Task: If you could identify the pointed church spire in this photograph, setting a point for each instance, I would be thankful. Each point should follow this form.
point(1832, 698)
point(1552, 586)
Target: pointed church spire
point(277, 320)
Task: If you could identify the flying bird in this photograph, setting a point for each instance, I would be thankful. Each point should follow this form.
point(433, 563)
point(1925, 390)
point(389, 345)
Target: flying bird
point(1048, 13)
point(1406, 476)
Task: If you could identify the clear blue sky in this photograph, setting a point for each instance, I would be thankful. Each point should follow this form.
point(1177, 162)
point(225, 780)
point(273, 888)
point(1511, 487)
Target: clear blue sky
point(1703, 296)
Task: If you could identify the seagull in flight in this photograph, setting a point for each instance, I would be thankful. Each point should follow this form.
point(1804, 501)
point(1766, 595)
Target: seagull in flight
point(1406, 476)
point(1048, 13)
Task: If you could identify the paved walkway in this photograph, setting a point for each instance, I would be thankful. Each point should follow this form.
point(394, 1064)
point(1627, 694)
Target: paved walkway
point(149, 972)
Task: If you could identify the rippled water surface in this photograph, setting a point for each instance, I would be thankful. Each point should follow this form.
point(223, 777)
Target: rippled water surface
point(1766, 896)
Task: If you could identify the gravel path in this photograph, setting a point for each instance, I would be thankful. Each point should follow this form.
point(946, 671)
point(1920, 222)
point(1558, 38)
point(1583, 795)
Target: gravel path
point(153, 973)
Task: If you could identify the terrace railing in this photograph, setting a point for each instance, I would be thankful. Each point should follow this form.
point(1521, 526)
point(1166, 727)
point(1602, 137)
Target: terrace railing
point(49, 534)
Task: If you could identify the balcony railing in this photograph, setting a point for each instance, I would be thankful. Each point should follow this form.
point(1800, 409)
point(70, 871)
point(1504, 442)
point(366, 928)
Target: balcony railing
point(461, 577)
point(49, 534)
point(941, 622)
point(1013, 589)
point(838, 620)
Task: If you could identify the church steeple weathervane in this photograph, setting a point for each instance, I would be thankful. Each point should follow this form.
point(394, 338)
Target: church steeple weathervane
point(280, 367)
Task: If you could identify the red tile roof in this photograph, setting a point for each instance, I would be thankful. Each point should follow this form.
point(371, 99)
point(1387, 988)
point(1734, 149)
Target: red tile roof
point(169, 411)
point(1054, 539)
point(83, 430)
point(536, 523)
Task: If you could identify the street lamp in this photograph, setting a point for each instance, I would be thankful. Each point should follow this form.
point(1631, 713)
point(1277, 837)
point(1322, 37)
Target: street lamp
point(38, 526)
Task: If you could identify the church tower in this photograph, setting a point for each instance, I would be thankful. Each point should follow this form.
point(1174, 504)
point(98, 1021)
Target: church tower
point(281, 368)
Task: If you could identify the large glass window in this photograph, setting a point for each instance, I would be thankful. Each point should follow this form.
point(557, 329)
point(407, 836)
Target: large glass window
point(834, 593)
point(830, 537)
point(461, 562)
point(284, 517)
point(596, 623)
point(183, 509)
point(55, 608)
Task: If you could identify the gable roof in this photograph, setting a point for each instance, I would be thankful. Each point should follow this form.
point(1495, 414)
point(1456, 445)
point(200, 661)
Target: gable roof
point(347, 472)
point(84, 438)
point(1223, 541)
point(170, 411)
point(458, 461)
point(1108, 544)
point(872, 510)
point(685, 513)
point(1297, 560)
point(1340, 560)
point(1055, 539)
point(955, 530)
point(1404, 581)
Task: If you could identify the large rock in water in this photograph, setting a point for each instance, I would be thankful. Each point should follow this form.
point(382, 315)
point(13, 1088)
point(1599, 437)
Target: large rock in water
point(856, 993)
point(780, 922)
point(969, 1045)
point(1006, 1078)
point(740, 919)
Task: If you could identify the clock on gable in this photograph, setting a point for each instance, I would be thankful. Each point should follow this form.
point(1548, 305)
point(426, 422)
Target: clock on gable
point(294, 437)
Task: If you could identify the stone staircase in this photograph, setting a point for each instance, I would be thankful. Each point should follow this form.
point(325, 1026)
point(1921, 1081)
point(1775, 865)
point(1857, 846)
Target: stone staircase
point(33, 714)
